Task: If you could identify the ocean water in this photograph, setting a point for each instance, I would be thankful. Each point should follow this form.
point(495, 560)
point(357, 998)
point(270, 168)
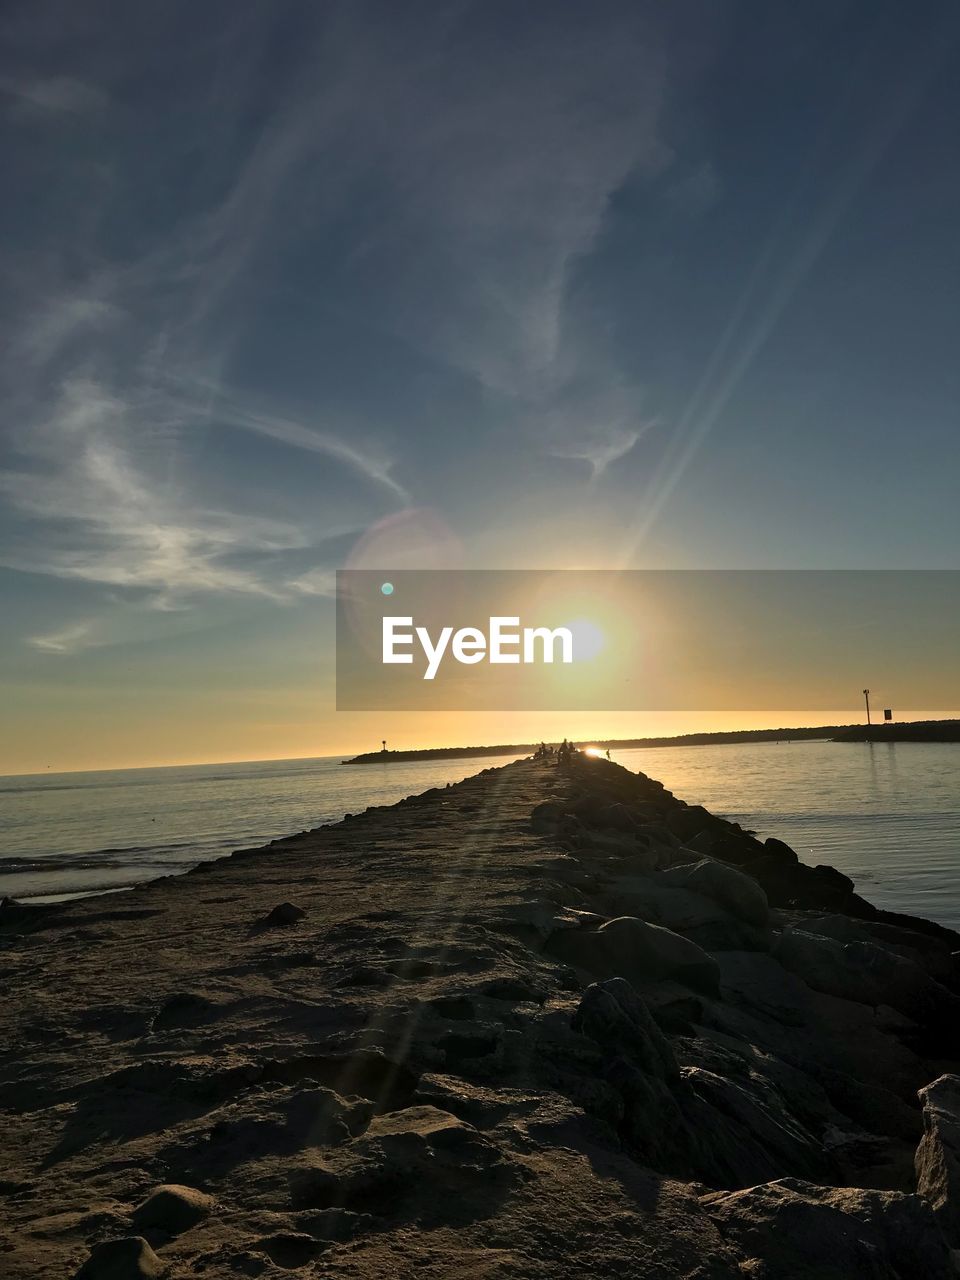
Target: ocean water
point(886, 814)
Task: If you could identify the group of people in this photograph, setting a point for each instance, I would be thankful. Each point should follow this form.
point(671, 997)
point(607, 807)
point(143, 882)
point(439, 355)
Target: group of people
point(563, 754)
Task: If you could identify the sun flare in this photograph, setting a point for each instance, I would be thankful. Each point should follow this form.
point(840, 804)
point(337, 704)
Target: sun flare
point(589, 640)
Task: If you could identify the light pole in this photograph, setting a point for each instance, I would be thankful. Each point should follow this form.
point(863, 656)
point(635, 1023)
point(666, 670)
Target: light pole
point(866, 695)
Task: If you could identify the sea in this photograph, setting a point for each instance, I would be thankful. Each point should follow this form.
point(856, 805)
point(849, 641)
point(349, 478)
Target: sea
point(887, 814)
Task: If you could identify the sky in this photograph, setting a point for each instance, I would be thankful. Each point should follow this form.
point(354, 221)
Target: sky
point(290, 287)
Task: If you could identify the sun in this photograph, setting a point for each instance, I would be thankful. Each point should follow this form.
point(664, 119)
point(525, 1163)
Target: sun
point(589, 640)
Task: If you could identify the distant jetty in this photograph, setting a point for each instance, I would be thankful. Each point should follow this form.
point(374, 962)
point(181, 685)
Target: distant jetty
point(442, 753)
point(910, 731)
point(614, 744)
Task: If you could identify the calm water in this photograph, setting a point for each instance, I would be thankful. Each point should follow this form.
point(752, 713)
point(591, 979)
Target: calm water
point(886, 814)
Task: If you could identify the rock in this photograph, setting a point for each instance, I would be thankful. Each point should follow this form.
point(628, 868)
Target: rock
point(653, 1123)
point(774, 848)
point(513, 990)
point(938, 1155)
point(283, 914)
point(630, 948)
point(687, 821)
point(701, 919)
point(128, 1258)
point(742, 1130)
point(185, 1009)
point(702, 843)
point(661, 835)
point(834, 877)
point(613, 1014)
point(869, 1104)
point(418, 1164)
point(867, 973)
point(546, 815)
point(737, 848)
point(739, 893)
point(617, 817)
point(932, 954)
point(543, 918)
point(674, 1008)
point(617, 844)
point(790, 1228)
point(789, 884)
point(587, 807)
point(172, 1208)
point(290, 1250)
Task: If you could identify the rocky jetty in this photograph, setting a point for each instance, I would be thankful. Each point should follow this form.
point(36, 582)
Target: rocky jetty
point(550, 1021)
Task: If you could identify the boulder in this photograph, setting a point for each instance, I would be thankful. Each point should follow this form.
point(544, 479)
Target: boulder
point(284, 913)
point(616, 844)
point(613, 1014)
point(128, 1258)
point(834, 877)
point(867, 973)
point(737, 848)
point(546, 815)
point(701, 919)
point(738, 893)
point(741, 1130)
point(661, 835)
point(938, 1155)
point(687, 821)
point(788, 884)
point(778, 849)
point(932, 954)
point(542, 917)
point(617, 817)
point(675, 1008)
point(792, 1228)
point(173, 1209)
point(420, 1164)
point(630, 948)
point(703, 843)
point(652, 1123)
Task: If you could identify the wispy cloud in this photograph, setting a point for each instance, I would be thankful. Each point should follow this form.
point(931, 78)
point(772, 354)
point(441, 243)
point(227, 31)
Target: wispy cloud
point(53, 94)
point(101, 519)
point(366, 463)
point(448, 210)
point(69, 639)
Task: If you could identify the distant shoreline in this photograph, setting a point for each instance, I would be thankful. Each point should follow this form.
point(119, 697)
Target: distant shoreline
point(910, 731)
point(613, 744)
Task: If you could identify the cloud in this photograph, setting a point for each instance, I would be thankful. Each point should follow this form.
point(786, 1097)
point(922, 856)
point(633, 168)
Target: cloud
point(103, 520)
point(318, 582)
point(609, 446)
point(54, 94)
point(54, 325)
point(497, 197)
point(591, 419)
point(69, 639)
point(436, 188)
point(369, 465)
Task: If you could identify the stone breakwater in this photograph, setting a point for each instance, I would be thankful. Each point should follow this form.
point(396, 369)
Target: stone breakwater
point(548, 1022)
